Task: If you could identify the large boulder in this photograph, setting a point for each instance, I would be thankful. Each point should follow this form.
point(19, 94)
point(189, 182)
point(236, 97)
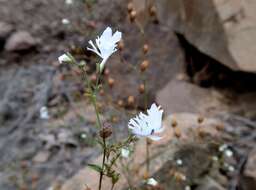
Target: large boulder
point(223, 30)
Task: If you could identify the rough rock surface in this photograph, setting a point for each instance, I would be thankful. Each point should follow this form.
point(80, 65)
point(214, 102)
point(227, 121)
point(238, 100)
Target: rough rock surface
point(20, 41)
point(5, 31)
point(224, 30)
point(181, 96)
point(239, 21)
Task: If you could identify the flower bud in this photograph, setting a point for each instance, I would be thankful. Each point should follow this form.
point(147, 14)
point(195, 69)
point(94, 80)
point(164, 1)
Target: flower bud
point(144, 65)
point(142, 88)
point(132, 15)
point(65, 58)
point(131, 100)
point(111, 82)
point(145, 48)
point(130, 7)
point(152, 11)
point(106, 131)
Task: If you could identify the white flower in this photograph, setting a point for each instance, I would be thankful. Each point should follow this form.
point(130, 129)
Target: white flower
point(65, 21)
point(69, 2)
point(215, 158)
point(106, 45)
point(125, 153)
point(152, 181)
point(228, 153)
point(83, 136)
point(187, 187)
point(231, 168)
point(179, 162)
point(44, 113)
point(148, 125)
point(64, 59)
point(223, 147)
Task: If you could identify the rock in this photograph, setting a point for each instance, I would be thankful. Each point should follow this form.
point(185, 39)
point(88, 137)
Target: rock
point(20, 41)
point(181, 96)
point(210, 184)
point(5, 31)
point(250, 168)
point(223, 30)
point(41, 157)
point(238, 19)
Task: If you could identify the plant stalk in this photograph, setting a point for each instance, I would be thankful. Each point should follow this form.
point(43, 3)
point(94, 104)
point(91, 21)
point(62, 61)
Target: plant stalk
point(103, 163)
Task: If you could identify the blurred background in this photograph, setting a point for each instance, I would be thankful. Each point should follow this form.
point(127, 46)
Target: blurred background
point(200, 58)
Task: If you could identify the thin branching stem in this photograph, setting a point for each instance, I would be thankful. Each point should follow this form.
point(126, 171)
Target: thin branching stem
point(103, 163)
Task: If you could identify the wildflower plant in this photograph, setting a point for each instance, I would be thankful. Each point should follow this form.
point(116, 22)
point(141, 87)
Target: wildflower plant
point(105, 46)
point(145, 125)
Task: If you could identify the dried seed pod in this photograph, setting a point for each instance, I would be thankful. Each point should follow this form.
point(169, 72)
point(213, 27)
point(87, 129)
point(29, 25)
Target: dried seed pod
point(220, 127)
point(142, 88)
point(102, 92)
point(106, 72)
point(132, 15)
point(114, 119)
point(152, 11)
point(111, 82)
point(61, 77)
point(200, 119)
point(144, 65)
point(93, 78)
point(145, 48)
point(174, 123)
point(120, 45)
point(106, 131)
point(201, 132)
point(130, 7)
point(120, 103)
point(131, 100)
point(177, 132)
point(145, 175)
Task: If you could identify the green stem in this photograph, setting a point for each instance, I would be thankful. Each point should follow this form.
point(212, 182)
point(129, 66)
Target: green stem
point(103, 163)
point(93, 100)
point(112, 186)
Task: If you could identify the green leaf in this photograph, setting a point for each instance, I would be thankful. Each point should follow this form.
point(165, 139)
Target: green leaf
point(115, 178)
point(95, 167)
